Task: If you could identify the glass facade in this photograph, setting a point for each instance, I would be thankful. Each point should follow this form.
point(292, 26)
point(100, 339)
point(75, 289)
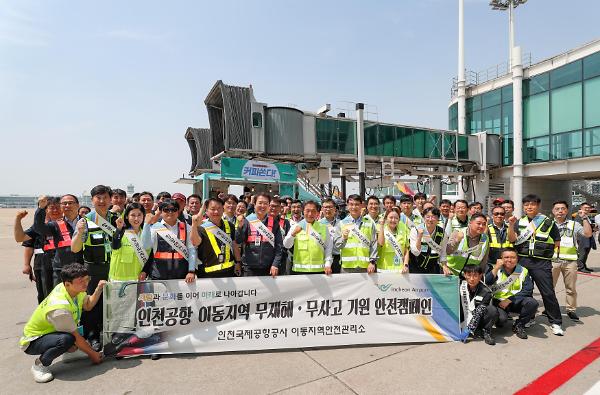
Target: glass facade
point(561, 113)
point(492, 112)
point(339, 136)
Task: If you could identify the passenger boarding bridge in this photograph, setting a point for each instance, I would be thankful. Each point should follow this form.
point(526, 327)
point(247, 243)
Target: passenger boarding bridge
point(324, 147)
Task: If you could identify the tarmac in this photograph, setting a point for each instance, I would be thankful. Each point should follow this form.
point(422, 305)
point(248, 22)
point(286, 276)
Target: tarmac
point(433, 368)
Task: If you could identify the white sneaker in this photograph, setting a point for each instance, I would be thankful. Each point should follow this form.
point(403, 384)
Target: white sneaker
point(41, 373)
point(557, 330)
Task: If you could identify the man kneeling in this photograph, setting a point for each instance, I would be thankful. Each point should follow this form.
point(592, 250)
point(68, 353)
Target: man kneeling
point(513, 291)
point(477, 314)
point(53, 328)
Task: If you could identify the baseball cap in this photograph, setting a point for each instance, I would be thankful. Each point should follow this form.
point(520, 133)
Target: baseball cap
point(178, 196)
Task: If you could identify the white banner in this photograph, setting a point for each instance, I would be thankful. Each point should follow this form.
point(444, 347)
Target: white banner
point(259, 313)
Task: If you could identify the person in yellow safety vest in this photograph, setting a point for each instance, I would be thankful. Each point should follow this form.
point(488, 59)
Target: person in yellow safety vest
point(498, 235)
point(565, 256)
point(373, 208)
point(392, 237)
point(53, 328)
point(458, 220)
point(128, 256)
point(428, 245)
point(468, 246)
point(356, 237)
point(513, 291)
point(313, 245)
point(535, 237)
point(408, 216)
point(218, 251)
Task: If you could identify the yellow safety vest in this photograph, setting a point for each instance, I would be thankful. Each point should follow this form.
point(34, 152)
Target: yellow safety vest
point(59, 299)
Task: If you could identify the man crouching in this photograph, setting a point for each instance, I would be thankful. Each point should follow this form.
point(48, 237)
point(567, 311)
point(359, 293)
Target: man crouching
point(513, 291)
point(53, 328)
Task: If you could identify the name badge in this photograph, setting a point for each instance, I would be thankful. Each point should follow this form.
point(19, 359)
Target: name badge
point(221, 258)
point(424, 247)
point(257, 240)
point(80, 330)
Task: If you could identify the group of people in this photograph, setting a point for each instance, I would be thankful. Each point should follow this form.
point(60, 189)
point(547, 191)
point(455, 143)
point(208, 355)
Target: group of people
point(497, 259)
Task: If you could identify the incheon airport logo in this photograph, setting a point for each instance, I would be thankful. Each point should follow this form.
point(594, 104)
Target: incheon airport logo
point(260, 170)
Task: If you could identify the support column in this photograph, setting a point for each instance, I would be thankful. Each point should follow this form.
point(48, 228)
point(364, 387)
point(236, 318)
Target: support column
point(360, 143)
point(516, 191)
point(462, 117)
point(342, 184)
point(436, 189)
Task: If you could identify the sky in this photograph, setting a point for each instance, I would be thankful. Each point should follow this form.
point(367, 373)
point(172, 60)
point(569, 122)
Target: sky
point(102, 92)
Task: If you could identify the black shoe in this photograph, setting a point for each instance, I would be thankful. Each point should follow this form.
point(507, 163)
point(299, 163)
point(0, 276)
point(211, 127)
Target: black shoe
point(585, 270)
point(519, 330)
point(573, 316)
point(95, 344)
point(478, 334)
point(488, 338)
point(155, 357)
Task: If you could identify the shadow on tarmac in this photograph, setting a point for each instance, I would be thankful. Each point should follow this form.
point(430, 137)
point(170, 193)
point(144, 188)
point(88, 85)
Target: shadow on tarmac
point(84, 370)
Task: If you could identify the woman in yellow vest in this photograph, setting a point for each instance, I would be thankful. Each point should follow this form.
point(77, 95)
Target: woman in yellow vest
point(128, 254)
point(53, 328)
point(392, 237)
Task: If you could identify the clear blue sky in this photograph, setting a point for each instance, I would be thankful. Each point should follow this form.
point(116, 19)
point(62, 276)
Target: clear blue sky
point(102, 92)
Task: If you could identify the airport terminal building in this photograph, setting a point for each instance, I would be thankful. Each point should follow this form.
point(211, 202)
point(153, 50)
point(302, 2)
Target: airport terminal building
point(560, 121)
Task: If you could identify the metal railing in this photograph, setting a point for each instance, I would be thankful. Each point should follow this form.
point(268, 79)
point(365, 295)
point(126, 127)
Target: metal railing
point(491, 73)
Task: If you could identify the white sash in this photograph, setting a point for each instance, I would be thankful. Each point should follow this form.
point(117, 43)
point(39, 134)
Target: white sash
point(435, 247)
point(506, 283)
point(315, 235)
point(523, 237)
point(469, 250)
point(409, 221)
point(104, 225)
point(174, 242)
point(264, 231)
point(356, 231)
point(137, 246)
point(393, 242)
point(468, 306)
point(219, 233)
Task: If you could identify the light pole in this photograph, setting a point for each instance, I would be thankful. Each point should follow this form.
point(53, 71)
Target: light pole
point(510, 5)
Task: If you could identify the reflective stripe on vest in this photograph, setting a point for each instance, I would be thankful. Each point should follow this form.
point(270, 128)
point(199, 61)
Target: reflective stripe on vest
point(227, 263)
point(568, 246)
point(467, 256)
point(64, 234)
point(49, 245)
point(355, 254)
point(494, 243)
point(172, 254)
point(309, 254)
point(253, 232)
point(424, 258)
point(540, 244)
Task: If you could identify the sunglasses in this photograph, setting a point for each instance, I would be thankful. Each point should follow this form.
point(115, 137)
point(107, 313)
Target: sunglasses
point(498, 214)
point(169, 210)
